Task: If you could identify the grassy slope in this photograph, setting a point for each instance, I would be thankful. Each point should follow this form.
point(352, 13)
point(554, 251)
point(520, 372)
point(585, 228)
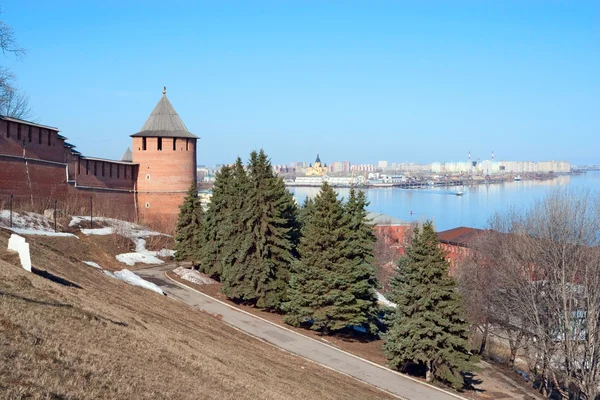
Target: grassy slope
point(112, 340)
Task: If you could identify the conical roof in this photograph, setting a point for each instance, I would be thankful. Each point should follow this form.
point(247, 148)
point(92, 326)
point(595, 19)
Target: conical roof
point(164, 122)
point(127, 156)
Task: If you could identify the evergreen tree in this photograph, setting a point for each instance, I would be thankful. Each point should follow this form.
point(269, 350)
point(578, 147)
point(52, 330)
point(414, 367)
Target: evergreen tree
point(216, 226)
point(331, 284)
point(359, 253)
point(428, 330)
point(189, 226)
point(260, 271)
point(305, 210)
point(234, 225)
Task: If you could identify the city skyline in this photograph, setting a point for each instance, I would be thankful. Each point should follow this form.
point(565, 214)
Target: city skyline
point(414, 83)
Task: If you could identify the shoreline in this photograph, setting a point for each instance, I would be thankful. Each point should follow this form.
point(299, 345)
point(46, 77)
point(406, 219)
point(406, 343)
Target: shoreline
point(426, 185)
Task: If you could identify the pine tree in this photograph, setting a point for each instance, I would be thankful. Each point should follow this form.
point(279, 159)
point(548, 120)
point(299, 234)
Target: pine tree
point(260, 271)
point(428, 331)
point(189, 225)
point(331, 287)
point(216, 226)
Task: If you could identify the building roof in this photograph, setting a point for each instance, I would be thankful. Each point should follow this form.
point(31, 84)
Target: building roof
point(127, 156)
point(108, 161)
point(460, 236)
point(164, 122)
point(318, 160)
point(382, 219)
point(22, 121)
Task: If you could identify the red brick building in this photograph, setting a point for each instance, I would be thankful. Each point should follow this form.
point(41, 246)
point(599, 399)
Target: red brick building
point(149, 183)
point(455, 242)
point(395, 232)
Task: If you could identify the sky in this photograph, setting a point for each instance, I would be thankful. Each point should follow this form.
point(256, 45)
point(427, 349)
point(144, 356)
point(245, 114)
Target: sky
point(418, 81)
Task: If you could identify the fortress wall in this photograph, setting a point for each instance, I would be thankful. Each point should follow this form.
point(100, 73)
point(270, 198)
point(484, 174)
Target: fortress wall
point(38, 142)
point(32, 178)
point(104, 174)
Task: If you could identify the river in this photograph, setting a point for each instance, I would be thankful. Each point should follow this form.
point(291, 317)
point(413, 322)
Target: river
point(474, 208)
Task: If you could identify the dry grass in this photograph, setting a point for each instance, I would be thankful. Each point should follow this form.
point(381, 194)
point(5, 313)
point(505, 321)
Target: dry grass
point(107, 339)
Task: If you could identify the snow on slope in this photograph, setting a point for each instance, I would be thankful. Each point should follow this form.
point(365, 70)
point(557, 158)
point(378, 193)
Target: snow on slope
point(28, 223)
point(193, 276)
point(127, 276)
point(130, 230)
point(131, 278)
point(92, 264)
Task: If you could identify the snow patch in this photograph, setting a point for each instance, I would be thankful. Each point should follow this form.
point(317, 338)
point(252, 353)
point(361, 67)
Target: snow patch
point(382, 300)
point(99, 231)
point(108, 273)
point(40, 232)
point(142, 255)
point(130, 230)
point(17, 243)
point(26, 221)
point(165, 253)
point(131, 278)
point(193, 276)
point(132, 258)
point(92, 264)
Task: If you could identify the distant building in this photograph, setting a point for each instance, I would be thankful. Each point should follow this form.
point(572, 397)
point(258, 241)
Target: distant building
point(382, 164)
point(317, 169)
point(456, 243)
point(395, 231)
point(363, 167)
point(490, 167)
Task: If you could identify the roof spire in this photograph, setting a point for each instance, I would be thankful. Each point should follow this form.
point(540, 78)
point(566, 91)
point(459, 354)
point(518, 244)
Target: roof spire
point(164, 90)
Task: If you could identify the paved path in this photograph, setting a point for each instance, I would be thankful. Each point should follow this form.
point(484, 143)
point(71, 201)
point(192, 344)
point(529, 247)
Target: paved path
point(366, 371)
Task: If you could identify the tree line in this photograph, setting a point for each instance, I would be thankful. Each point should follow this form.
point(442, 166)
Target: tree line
point(314, 263)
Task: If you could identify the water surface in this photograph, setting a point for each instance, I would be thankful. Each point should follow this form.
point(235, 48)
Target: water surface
point(473, 208)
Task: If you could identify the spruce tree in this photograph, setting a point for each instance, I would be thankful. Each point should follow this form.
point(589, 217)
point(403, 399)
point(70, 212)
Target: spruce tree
point(305, 210)
point(428, 330)
point(189, 224)
point(216, 226)
point(359, 245)
point(233, 225)
point(260, 271)
point(330, 288)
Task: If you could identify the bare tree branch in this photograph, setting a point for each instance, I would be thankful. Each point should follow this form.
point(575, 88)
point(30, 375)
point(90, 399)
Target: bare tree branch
point(14, 103)
point(8, 43)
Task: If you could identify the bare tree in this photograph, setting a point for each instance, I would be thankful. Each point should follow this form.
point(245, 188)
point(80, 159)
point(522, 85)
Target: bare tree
point(13, 102)
point(8, 43)
point(387, 254)
point(548, 287)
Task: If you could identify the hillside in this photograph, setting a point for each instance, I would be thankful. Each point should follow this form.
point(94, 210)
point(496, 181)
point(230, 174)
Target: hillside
point(91, 336)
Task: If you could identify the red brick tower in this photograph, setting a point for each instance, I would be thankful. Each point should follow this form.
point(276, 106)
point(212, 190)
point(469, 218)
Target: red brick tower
point(166, 153)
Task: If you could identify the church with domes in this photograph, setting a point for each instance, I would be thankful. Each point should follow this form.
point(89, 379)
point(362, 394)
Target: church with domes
point(317, 169)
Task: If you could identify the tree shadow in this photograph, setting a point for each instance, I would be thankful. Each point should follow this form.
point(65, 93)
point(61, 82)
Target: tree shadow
point(54, 278)
point(40, 302)
point(471, 382)
point(349, 334)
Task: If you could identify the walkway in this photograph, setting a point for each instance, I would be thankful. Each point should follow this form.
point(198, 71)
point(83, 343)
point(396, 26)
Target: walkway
point(366, 371)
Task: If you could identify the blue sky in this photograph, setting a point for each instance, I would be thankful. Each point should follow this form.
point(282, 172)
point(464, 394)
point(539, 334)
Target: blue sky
point(361, 81)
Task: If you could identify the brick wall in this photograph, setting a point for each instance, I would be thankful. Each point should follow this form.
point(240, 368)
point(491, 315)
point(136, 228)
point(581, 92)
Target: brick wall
point(32, 178)
point(38, 142)
point(104, 174)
